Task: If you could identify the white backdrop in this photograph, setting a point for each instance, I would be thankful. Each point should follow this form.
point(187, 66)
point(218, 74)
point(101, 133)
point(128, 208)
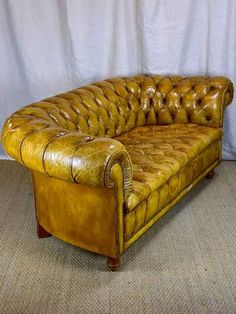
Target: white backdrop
point(47, 47)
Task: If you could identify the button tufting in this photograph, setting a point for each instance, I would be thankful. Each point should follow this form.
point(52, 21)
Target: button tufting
point(170, 148)
point(148, 113)
point(110, 108)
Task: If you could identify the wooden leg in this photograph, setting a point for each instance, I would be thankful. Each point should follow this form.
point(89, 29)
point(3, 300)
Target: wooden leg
point(42, 233)
point(210, 174)
point(113, 263)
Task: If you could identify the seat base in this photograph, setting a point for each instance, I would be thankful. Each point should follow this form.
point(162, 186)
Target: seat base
point(161, 152)
point(141, 231)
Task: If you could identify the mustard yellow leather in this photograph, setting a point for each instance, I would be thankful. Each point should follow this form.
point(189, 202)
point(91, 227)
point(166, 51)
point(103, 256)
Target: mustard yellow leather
point(158, 198)
point(143, 141)
point(160, 152)
point(130, 240)
point(54, 135)
point(79, 214)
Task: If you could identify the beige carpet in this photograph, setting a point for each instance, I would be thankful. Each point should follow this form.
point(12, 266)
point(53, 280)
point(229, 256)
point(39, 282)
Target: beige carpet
point(185, 264)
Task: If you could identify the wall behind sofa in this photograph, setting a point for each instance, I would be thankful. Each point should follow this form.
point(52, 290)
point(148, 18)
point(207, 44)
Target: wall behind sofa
point(47, 47)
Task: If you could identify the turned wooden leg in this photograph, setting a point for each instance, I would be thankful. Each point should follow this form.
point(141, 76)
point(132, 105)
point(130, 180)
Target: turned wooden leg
point(210, 174)
point(42, 233)
point(113, 263)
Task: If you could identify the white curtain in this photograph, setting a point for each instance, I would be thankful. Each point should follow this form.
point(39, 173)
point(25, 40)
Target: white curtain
point(47, 47)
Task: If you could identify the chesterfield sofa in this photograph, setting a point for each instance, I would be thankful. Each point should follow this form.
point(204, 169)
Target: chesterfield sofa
point(111, 158)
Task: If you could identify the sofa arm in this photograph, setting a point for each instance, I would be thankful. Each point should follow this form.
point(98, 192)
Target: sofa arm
point(70, 156)
point(177, 99)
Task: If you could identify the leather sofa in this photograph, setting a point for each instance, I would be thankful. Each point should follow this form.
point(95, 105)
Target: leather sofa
point(111, 158)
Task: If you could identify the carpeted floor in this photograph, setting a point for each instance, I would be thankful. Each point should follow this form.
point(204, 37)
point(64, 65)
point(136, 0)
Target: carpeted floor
point(186, 263)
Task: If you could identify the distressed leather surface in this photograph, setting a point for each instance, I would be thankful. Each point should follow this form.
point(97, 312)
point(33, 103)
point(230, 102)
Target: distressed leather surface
point(150, 135)
point(77, 213)
point(60, 136)
point(157, 199)
point(160, 152)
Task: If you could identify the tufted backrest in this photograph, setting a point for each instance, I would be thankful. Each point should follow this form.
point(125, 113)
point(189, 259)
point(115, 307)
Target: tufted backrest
point(116, 105)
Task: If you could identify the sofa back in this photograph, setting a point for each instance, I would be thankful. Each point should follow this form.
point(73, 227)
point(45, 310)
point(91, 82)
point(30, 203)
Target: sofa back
point(117, 105)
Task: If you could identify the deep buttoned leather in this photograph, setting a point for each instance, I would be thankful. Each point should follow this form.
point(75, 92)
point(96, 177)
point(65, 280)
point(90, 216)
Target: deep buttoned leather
point(61, 135)
point(160, 152)
point(146, 139)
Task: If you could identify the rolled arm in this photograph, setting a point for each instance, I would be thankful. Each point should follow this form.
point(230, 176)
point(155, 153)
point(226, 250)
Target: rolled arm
point(70, 156)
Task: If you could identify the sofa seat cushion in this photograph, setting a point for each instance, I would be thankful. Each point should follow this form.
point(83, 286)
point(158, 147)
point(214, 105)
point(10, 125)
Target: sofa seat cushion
point(159, 152)
point(157, 202)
